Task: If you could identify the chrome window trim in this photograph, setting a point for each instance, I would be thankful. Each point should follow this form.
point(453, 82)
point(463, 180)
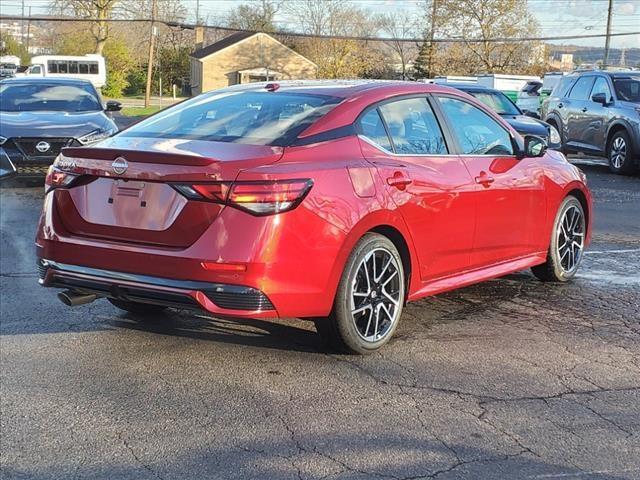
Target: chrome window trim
point(387, 152)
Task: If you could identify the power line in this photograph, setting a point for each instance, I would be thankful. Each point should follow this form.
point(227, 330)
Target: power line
point(191, 26)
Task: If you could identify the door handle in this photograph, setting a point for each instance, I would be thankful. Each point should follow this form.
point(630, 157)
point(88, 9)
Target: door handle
point(399, 180)
point(484, 179)
point(584, 109)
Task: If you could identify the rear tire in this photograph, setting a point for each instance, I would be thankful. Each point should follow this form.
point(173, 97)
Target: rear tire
point(368, 304)
point(567, 243)
point(137, 308)
point(620, 154)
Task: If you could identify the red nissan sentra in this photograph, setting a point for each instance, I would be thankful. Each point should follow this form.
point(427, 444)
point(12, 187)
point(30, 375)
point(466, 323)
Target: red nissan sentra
point(331, 201)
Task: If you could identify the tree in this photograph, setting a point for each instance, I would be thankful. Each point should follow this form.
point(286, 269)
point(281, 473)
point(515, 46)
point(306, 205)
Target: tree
point(255, 16)
point(100, 10)
point(485, 20)
point(399, 26)
point(9, 46)
point(422, 63)
point(336, 58)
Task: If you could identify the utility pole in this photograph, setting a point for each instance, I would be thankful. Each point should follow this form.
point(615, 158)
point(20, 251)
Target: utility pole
point(29, 29)
point(197, 12)
point(607, 41)
point(152, 39)
point(432, 32)
point(22, 25)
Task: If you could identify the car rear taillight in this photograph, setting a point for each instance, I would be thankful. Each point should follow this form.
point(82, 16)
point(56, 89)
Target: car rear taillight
point(257, 198)
point(58, 179)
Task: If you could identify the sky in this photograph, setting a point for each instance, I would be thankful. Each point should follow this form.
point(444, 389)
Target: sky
point(555, 17)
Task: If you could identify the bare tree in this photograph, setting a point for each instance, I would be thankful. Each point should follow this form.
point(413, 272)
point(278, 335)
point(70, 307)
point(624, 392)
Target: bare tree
point(485, 20)
point(400, 26)
point(258, 16)
point(336, 58)
point(99, 10)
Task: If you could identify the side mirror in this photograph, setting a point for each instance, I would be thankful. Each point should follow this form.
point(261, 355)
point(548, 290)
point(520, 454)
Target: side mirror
point(532, 114)
point(113, 106)
point(7, 169)
point(600, 98)
point(534, 146)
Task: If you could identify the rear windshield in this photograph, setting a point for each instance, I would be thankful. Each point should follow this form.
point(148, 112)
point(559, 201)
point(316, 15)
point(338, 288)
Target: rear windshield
point(255, 118)
point(35, 97)
point(627, 89)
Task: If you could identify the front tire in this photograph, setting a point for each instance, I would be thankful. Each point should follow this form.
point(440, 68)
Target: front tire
point(620, 153)
point(369, 300)
point(567, 243)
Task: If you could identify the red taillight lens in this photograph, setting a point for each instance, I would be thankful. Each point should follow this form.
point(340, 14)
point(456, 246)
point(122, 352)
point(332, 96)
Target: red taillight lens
point(57, 178)
point(257, 198)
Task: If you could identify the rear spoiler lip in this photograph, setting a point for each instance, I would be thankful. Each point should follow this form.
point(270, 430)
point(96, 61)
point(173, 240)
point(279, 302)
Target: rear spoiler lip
point(95, 153)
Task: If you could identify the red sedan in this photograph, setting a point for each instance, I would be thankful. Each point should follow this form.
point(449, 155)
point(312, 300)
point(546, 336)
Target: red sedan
point(331, 201)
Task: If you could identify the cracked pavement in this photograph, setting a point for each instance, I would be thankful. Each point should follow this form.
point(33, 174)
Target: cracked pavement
point(509, 379)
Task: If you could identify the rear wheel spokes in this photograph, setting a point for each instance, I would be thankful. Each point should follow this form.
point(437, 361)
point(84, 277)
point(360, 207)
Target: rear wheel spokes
point(376, 291)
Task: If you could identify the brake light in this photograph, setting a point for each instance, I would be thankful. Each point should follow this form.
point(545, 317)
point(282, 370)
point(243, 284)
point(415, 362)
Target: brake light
point(58, 179)
point(257, 198)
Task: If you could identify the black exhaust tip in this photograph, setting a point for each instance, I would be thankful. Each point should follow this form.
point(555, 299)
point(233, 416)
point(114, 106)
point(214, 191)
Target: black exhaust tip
point(73, 299)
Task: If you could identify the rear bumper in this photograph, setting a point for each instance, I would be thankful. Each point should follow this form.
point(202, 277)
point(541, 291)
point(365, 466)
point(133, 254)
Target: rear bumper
point(218, 298)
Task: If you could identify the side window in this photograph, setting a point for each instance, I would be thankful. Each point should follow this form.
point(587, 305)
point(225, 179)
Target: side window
point(93, 68)
point(413, 127)
point(476, 132)
point(52, 66)
point(581, 89)
point(36, 70)
point(601, 86)
point(372, 127)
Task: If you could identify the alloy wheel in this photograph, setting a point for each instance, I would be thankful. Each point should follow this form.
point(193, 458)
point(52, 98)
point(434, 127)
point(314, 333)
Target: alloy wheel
point(618, 152)
point(571, 239)
point(375, 295)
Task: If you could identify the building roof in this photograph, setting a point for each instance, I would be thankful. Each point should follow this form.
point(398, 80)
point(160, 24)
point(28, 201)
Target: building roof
point(219, 45)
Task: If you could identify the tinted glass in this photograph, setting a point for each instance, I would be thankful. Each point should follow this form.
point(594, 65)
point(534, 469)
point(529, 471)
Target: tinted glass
point(563, 86)
point(601, 86)
point(581, 89)
point(93, 68)
point(413, 127)
point(31, 97)
point(255, 118)
point(477, 132)
point(372, 127)
point(497, 101)
point(627, 89)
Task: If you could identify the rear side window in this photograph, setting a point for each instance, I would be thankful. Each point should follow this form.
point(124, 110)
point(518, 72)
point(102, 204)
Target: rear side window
point(627, 89)
point(477, 133)
point(413, 127)
point(581, 89)
point(372, 127)
point(254, 118)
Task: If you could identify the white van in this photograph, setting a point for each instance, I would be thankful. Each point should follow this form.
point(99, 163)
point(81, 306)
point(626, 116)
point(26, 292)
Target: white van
point(88, 67)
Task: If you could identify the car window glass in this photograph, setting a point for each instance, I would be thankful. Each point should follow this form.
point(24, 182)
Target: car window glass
point(563, 86)
point(34, 97)
point(601, 86)
point(250, 117)
point(413, 127)
point(372, 127)
point(581, 89)
point(627, 89)
point(476, 132)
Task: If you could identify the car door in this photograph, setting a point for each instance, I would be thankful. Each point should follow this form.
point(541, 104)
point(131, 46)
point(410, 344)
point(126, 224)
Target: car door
point(594, 135)
point(431, 187)
point(509, 192)
point(577, 107)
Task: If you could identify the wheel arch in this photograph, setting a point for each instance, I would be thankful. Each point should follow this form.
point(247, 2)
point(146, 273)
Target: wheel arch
point(615, 127)
point(398, 240)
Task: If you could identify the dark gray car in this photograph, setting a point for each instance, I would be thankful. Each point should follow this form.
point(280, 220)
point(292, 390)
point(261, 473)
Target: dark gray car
point(598, 112)
point(40, 116)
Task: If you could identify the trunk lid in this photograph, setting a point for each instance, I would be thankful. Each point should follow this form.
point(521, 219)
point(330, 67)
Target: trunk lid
point(125, 191)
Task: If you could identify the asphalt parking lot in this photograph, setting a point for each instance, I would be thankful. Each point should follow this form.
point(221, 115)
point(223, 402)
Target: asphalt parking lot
point(510, 379)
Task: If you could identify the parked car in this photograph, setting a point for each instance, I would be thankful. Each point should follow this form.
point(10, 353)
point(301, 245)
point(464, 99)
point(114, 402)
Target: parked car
point(598, 112)
point(7, 70)
point(331, 201)
point(40, 116)
point(525, 123)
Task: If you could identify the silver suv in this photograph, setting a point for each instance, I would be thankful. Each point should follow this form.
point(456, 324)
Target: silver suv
point(598, 112)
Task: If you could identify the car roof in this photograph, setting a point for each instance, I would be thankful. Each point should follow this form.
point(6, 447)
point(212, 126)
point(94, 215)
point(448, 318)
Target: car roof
point(338, 88)
point(49, 80)
point(611, 73)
